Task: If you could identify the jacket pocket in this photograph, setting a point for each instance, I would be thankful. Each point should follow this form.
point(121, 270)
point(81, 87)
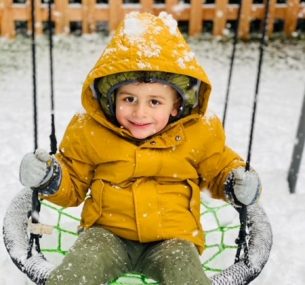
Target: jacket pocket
point(92, 209)
point(195, 202)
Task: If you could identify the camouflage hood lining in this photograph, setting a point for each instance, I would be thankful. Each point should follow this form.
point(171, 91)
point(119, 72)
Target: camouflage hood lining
point(187, 87)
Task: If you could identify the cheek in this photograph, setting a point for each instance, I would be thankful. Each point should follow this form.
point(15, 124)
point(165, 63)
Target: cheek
point(119, 112)
point(120, 109)
point(163, 119)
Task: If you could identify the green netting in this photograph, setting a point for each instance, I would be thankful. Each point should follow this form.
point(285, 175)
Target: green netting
point(220, 221)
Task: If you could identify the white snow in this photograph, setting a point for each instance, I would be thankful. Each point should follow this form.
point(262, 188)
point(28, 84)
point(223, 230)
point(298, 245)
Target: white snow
point(169, 21)
point(278, 110)
point(134, 27)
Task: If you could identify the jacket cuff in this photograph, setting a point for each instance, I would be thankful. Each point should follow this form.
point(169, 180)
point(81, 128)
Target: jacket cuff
point(229, 191)
point(230, 194)
point(52, 185)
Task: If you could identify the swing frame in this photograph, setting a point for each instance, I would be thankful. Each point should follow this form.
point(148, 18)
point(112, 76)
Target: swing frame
point(38, 268)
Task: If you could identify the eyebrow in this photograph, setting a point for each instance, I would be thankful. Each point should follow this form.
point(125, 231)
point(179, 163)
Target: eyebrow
point(125, 92)
point(132, 94)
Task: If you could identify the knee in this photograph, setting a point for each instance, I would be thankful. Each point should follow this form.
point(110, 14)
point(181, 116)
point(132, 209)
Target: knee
point(96, 247)
point(175, 262)
point(174, 252)
point(176, 249)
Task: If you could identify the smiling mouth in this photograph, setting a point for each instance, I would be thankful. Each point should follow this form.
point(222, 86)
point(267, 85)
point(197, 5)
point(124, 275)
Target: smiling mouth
point(139, 124)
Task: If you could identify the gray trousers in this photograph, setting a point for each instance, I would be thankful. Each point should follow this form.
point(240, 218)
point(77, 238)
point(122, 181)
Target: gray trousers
point(98, 256)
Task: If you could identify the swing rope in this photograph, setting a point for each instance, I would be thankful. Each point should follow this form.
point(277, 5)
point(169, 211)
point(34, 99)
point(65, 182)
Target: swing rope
point(36, 204)
point(242, 236)
point(33, 44)
point(232, 60)
point(53, 140)
point(263, 43)
point(34, 238)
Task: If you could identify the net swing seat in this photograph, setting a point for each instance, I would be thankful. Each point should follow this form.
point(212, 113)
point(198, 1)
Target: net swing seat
point(37, 267)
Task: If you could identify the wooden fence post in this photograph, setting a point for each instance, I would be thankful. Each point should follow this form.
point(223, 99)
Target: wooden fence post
point(7, 22)
point(147, 5)
point(115, 13)
point(88, 19)
point(85, 17)
point(195, 20)
point(60, 13)
point(169, 5)
point(291, 16)
point(220, 17)
point(245, 19)
point(272, 4)
point(1, 14)
point(38, 11)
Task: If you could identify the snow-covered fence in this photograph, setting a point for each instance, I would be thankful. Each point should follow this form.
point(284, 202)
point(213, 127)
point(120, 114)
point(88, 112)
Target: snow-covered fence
point(199, 16)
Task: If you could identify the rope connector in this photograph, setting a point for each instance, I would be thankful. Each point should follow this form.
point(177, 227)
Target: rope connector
point(40, 229)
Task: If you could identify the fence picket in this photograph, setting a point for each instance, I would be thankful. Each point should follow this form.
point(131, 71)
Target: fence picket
point(195, 21)
point(291, 16)
point(220, 17)
point(147, 5)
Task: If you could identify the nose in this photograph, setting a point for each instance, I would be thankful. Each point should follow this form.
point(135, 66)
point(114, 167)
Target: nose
point(140, 110)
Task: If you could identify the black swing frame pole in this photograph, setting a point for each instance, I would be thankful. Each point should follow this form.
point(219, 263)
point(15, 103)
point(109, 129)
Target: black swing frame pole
point(232, 60)
point(242, 242)
point(297, 151)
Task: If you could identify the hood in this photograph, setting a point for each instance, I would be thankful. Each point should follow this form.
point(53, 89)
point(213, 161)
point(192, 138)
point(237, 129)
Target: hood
point(144, 42)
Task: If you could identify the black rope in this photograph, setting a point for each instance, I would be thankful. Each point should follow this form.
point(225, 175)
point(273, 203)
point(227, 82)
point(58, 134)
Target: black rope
point(36, 205)
point(232, 60)
point(33, 42)
point(263, 42)
point(53, 140)
point(242, 210)
point(242, 237)
point(34, 238)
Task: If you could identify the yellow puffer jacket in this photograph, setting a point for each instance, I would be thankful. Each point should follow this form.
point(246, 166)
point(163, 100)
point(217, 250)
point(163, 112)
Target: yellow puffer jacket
point(144, 191)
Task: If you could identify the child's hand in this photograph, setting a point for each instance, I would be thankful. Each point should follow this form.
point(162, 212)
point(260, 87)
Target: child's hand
point(37, 169)
point(246, 186)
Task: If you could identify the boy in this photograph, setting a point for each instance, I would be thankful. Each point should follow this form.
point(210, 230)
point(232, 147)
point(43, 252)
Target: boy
point(139, 158)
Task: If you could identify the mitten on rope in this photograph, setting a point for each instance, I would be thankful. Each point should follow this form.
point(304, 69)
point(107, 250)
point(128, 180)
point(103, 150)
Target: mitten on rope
point(41, 171)
point(243, 187)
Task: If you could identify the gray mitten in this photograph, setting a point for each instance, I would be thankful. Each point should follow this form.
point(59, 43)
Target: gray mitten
point(243, 187)
point(40, 170)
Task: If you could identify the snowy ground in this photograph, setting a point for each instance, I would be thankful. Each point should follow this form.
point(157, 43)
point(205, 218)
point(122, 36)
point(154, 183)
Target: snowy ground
point(281, 92)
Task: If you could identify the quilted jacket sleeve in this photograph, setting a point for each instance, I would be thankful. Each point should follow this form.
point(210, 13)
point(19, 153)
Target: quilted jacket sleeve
point(77, 169)
point(218, 161)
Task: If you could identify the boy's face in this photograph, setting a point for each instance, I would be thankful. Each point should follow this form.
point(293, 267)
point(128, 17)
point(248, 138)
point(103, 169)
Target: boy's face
point(144, 108)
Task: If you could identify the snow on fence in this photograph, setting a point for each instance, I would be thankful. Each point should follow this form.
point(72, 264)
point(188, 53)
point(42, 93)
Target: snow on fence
point(198, 15)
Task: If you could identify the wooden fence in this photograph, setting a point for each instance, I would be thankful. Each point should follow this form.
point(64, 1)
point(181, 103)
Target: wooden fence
point(195, 12)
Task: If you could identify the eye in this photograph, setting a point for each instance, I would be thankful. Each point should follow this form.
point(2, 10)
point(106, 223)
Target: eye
point(129, 99)
point(154, 102)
